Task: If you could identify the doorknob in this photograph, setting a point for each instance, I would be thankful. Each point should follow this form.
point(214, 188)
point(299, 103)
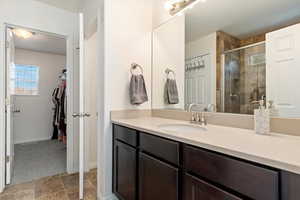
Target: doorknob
point(86, 115)
point(81, 115)
point(76, 115)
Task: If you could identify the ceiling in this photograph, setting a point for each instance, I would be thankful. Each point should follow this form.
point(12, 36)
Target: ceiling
point(70, 5)
point(42, 43)
point(240, 18)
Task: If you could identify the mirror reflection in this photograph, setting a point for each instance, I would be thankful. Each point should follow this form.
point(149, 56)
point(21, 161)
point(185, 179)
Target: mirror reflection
point(228, 60)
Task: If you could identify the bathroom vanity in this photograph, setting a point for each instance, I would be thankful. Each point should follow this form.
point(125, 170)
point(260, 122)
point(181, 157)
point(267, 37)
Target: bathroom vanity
point(151, 163)
point(240, 70)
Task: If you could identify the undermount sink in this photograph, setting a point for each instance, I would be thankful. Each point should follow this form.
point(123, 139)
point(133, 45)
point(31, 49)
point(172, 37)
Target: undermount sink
point(183, 128)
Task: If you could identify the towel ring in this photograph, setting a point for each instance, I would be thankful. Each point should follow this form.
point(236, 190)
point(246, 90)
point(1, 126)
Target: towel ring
point(134, 66)
point(168, 71)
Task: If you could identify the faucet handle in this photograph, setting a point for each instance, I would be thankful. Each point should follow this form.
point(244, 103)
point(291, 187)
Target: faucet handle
point(193, 119)
point(203, 120)
point(198, 118)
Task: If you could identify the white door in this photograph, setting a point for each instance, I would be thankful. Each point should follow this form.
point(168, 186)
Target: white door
point(10, 51)
point(82, 114)
point(283, 70)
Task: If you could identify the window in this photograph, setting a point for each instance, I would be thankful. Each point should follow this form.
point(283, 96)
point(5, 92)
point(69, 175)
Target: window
point(24, 80)
point(257, 59)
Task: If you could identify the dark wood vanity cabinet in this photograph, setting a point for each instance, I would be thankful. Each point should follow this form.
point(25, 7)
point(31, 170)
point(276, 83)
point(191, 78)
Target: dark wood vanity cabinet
point(290, 186)
point(126, 135)
point(148, 167)
point(197, 189)
point(157, 180)
point(125, 171)
point(159, 147)
point(246, 178)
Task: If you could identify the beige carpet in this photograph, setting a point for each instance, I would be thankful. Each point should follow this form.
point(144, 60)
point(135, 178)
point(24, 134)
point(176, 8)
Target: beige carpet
point(36, 160)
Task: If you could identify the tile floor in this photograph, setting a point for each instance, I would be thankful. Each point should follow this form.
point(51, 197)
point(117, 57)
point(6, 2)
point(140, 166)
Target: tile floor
point(58, 187)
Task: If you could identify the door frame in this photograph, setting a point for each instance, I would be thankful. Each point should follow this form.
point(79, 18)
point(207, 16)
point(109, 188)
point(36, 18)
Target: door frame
point(70, 63)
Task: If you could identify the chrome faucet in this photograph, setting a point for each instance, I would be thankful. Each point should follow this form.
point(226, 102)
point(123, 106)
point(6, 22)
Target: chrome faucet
point(212, 107)
point(191, 106)
point(197, 117)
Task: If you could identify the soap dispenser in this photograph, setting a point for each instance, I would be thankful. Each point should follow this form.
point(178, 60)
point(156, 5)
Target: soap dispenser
point(262, 119)
point(272, 109)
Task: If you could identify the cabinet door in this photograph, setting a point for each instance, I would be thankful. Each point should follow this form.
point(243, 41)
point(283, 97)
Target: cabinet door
point(290, 186)
point(158, 180)
point(196, 189)
point(125, 171)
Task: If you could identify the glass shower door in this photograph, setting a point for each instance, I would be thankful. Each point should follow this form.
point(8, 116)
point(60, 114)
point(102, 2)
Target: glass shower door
point(244, 79)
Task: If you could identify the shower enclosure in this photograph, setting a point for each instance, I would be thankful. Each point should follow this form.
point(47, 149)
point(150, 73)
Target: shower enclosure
point(244, 79)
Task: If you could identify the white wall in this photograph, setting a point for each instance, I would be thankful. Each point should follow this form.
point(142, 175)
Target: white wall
point(159, 14)
point(34, 122)
point(126, 38)
point(33, 14)
point(127, 41)
point(204, 45)
point(90, 10)
point(168, 52)
point(91, 99)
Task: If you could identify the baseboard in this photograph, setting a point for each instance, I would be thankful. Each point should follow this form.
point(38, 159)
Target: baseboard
point(108, 197)
point(93, 165)
point(32, 141)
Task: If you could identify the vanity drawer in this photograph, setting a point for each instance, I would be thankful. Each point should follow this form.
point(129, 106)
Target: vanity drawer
point(126, 135)
point(196, 189)
point(256, 182)
point(162, 148)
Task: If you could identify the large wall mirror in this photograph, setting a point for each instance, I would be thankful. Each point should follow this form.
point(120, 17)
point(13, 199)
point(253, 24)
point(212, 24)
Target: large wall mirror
point(225, 56)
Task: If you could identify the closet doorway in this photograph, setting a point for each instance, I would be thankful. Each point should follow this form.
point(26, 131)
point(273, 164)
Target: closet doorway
point(37, 96)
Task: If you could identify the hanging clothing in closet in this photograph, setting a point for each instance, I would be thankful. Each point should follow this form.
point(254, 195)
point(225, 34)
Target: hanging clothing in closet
point(60, 112)
point(55, 101)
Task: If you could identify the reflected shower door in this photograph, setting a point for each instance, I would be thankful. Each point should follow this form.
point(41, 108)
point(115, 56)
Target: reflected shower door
point(244, 79)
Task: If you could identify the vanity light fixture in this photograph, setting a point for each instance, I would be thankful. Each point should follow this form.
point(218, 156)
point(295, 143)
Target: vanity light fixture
point(22, 33)
point(179, 6)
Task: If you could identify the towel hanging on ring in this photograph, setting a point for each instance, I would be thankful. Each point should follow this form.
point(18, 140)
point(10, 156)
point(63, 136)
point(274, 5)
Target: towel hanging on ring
point(171, 92)
point(137, 87)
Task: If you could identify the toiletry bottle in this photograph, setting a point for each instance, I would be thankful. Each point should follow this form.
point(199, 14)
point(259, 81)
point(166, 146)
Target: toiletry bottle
point(272, 109)
point(262, 119)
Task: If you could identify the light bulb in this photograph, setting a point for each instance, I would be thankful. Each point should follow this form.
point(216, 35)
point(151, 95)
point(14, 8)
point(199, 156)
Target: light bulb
point(22, 33)
point(168, 6)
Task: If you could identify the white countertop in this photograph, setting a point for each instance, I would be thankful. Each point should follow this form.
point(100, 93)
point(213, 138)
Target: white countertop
point(275, 150)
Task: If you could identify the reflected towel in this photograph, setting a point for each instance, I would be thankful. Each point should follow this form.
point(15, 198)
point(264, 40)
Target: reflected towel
point(137, 90)
point(171, 92)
